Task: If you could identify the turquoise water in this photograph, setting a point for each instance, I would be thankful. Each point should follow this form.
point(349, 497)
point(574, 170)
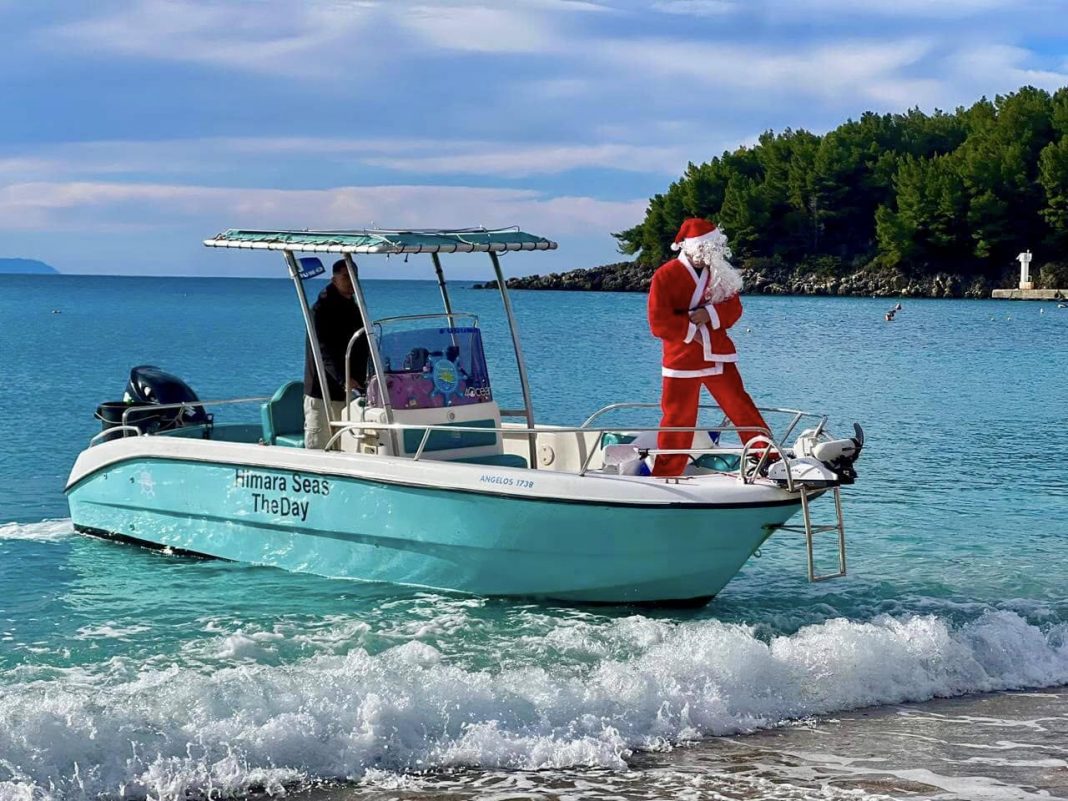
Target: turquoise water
point(124, 671)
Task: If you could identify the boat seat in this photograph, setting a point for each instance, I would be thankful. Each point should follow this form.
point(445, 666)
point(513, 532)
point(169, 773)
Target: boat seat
point(282, 416)
point(719, 462)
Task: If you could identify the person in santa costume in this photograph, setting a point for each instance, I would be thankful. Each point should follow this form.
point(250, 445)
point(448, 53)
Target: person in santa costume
point(693, 300)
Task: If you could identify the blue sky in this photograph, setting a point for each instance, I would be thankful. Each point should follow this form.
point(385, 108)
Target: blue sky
point(133, 129)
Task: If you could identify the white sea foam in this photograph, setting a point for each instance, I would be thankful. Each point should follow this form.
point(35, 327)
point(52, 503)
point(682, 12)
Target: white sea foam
point(43, 530)
point(168, 732)
point(109, 631)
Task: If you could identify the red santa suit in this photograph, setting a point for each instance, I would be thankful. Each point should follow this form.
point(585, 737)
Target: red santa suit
point(696, 355)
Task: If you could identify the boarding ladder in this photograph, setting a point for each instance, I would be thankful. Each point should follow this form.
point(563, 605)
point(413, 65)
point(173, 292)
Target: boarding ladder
point(808, 495)
point(810, 530)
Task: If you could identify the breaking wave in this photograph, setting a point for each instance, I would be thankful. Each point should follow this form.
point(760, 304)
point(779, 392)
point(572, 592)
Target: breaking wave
point(121, 728)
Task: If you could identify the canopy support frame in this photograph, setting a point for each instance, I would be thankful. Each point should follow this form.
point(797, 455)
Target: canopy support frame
point(441, 285)
point(313, 337)
point(528, 405)
point(372, 343)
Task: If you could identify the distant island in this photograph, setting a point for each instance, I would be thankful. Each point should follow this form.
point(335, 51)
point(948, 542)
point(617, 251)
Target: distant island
point(913, 204)
point(26, 267)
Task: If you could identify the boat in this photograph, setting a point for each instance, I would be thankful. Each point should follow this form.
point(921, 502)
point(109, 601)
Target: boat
point(426, 482)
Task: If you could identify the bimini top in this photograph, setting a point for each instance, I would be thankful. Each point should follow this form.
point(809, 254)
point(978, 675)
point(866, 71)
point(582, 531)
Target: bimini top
point(456, 240)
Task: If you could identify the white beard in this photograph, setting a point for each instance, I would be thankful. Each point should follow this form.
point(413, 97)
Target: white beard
point(714, 253)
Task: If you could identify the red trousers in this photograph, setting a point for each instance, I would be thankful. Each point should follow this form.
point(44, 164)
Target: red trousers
point(679, 402)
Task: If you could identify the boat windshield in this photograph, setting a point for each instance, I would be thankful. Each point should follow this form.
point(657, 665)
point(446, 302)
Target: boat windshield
point(429, 368)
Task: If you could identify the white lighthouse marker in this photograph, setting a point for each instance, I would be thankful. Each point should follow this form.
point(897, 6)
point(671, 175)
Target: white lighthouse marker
point(1025, 270)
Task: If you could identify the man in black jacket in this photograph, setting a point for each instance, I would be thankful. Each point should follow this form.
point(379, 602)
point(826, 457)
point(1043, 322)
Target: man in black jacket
point(336, 318)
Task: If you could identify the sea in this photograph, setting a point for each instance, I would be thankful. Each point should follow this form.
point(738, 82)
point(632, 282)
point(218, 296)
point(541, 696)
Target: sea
point(936, 669)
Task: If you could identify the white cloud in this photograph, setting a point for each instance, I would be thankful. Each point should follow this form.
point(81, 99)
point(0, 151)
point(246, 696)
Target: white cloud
point(18, 167)
point(990, 69)
point(415, 156)
point(587, 74)
point(312, 39)
point(121, 219)
point(924, 9)
point(275, 38)
point(482, 29)
point(867, 69)
point(547, 159)
point(72, 206)
point(697, 8)
point(789, 11)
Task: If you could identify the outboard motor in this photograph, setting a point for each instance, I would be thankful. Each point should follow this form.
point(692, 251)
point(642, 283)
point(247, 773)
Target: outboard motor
point(841, 454)
point(821, 462)
point(147, 388)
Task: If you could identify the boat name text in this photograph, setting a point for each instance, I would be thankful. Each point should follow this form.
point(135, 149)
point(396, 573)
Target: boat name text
point(250, 479)
point(284, 506)
point(507, 481)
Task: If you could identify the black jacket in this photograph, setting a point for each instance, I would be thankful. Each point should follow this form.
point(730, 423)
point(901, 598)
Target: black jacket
point(336, 319)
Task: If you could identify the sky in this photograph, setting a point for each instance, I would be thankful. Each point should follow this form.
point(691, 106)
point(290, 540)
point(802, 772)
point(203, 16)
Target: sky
point(134, 129)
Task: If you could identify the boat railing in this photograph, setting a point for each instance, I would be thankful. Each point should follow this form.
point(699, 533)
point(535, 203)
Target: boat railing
point(797, 414)
point(109, 433)
point(348, 354)
point(747, 475)
point(128, 429)
point(191, 405)
point(451, 316)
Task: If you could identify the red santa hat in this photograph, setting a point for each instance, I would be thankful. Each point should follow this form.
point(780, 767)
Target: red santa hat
point(694, 229)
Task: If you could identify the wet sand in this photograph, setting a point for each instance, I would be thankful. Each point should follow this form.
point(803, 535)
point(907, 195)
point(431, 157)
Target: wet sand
point(997, 747)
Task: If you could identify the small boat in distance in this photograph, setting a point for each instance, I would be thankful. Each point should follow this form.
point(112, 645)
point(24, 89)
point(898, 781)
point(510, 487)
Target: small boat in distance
point(425, 482)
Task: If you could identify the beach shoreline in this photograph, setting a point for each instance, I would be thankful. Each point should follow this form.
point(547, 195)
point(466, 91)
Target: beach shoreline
point(986, 747)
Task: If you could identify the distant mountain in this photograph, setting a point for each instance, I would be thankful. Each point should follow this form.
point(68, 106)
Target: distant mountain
point(26, 267)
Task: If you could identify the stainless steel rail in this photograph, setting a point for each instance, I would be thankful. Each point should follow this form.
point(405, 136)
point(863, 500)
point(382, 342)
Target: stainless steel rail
point(348, 356)
point(192, 404)
point(797, 416)
point(115, 430)
point(372, 343)
point(533, 433)
point(668, 451)
point(612, 407)
point(432, 316)
point(524, 380)
point(126, 426)
point(309, 325)
point(810, 529)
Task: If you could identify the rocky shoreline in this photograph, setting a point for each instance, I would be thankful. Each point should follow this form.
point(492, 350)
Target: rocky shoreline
point(773, 280)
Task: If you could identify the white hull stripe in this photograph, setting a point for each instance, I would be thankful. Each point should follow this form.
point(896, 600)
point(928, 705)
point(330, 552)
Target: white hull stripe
point(429, 474)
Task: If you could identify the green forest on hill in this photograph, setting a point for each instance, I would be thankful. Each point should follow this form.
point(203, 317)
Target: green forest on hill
point(911, 194)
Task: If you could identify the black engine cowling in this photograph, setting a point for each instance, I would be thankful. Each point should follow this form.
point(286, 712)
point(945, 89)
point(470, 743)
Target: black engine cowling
point(148, 388)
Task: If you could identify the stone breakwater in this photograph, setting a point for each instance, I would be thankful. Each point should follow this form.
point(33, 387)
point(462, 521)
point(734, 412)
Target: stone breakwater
point(766, 280)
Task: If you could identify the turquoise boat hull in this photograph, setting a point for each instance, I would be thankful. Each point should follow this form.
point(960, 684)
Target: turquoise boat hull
point(484, 543)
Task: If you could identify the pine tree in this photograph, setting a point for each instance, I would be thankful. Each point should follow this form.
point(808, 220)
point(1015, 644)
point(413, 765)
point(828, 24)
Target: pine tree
point(962, 191)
